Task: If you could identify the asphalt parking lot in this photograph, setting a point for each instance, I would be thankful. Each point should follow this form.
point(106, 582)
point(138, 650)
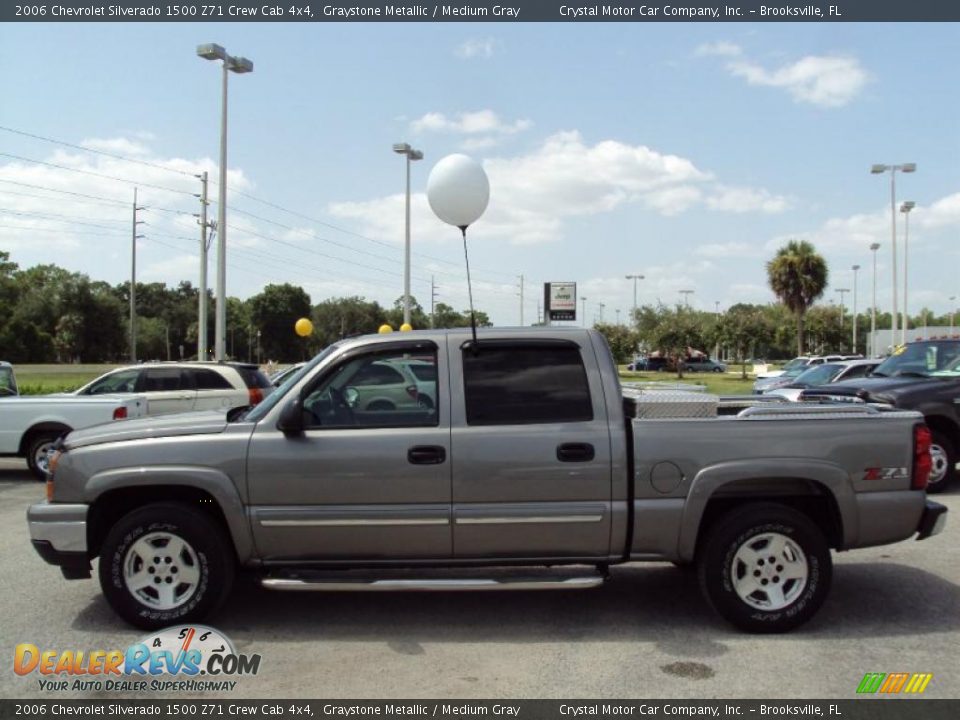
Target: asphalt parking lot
point(646, 634)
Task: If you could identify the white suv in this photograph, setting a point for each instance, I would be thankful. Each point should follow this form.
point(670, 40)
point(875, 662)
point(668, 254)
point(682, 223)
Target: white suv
point(183, 386)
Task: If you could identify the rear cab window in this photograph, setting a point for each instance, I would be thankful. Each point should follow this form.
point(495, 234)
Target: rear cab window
point(525, 383)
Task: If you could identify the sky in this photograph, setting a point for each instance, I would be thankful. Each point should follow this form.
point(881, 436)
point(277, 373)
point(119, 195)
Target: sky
point(684, 152)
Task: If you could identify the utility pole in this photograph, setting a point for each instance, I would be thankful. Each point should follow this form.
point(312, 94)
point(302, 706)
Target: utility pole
point(202, 343)
point(133, 278)
point(856, 268)
point(433, 300)
point(521, 301)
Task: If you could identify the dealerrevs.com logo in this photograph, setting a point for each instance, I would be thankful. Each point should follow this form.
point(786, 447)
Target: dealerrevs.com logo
point(187, 658)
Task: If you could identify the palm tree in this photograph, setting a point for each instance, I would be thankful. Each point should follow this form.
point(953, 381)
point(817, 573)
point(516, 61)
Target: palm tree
point(798, 277)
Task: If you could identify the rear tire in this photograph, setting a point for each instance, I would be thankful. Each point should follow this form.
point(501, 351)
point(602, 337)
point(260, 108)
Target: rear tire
point(166, 563)
point(38, 453)
point(944, 457)
point(766, 568)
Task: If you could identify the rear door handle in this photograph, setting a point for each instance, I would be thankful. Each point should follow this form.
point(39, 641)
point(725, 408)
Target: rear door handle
point(575, 452)
point(426, 455)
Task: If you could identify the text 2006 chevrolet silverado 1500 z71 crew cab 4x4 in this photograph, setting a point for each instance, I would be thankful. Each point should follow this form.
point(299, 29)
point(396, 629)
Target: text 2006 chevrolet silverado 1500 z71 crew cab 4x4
point(525, 457)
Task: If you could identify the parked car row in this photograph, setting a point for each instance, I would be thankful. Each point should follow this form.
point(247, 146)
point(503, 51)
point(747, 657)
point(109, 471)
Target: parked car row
point(699, 363)
point(30, 426)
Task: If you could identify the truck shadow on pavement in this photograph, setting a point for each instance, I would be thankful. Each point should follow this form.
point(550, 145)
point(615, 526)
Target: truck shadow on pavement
point(651, 603)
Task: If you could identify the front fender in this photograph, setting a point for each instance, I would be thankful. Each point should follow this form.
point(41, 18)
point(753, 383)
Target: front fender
point(763, 476)
point(214, 482)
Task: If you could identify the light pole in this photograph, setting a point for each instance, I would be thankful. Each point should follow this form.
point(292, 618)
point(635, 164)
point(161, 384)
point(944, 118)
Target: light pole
point(239, 65)
point(873, 308)
point(634, 278)
point(583, 300)
point(892, 169)
point(686, 296)
point(855, 268)
point(842, 292)
point(602, 306)
point(617, 311)
point(905, 208)
point(952, 298)
point(411, 154)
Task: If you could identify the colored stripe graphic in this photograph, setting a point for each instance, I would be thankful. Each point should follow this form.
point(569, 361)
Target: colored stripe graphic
point(871, 682)
point(918, 683)
point(893, 683)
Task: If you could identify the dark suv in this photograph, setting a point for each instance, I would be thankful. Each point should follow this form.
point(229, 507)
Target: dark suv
point(923, 376)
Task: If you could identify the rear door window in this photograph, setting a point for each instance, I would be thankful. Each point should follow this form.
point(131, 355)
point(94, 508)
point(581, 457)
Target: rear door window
point(524, 384)
point(205, 379)
point(164, 380)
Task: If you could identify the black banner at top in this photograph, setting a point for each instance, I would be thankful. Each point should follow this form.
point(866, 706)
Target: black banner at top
point(574, 11)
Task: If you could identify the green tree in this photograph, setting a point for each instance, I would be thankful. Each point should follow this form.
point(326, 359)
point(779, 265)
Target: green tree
point(341, 317)
point(798, 277)
point(742, 328)
point(621, 339)
point(677, 331)
point(273, 312)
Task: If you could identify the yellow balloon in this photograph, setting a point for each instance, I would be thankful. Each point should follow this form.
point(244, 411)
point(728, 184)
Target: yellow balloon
point(303, 327)
point(385, 329)
point(406, 327)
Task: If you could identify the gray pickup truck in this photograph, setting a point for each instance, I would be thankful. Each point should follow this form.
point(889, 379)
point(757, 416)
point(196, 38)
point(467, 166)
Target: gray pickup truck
point(423, 461)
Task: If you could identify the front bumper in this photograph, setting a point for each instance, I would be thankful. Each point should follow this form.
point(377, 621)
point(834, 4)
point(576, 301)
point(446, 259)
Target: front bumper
point(58, 532)
point(932, 521)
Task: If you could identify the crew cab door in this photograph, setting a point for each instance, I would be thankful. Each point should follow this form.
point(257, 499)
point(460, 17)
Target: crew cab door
point(531, 450)
point(369, 477)
point(168, 390)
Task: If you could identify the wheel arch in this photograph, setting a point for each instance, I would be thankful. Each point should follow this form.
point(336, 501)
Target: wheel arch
point(51, 426)
point(820, 490)
point(114, 493)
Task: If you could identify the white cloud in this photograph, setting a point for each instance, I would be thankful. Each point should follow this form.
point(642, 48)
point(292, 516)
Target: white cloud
point(476, 47)
point(727, 250)
point(827, 80)
point(469, 123)
point(721, 49)
point(533, 195)
point(744, 199)
point(822, 80)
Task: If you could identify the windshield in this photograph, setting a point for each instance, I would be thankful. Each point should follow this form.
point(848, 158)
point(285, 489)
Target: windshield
point(277, 395)
point(922, 359)
point(796, 363)
point(819, 375)
point(8, 384)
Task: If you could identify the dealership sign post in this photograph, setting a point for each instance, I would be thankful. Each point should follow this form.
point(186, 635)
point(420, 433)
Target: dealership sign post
point(560, 301)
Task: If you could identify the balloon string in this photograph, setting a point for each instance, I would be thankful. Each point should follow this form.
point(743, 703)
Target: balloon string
point(466, 257)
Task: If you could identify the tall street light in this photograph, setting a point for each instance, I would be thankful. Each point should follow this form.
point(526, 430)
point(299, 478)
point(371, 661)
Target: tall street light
point(855, 269)
point(411, 154)
point(842, 292)
point(634, 278)
point(905, 208)
point(892, 169)
point(583, 300)
point(686, 296)
point(873, 307)
point(239, 65)
point(952, 298)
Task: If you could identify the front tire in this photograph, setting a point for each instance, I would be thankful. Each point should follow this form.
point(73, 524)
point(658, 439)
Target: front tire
point(165, 563)
point(765, 568)
point(943, 466)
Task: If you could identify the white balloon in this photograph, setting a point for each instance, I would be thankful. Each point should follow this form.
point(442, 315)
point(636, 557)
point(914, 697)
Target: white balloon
point(458, 190)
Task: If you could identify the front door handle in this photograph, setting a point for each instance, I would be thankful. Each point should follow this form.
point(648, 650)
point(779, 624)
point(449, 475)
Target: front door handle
point(426, 455)
point(575, 452)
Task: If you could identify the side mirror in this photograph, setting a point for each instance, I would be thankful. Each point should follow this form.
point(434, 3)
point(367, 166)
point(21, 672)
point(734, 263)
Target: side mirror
point(351, 395)
point(291, 418)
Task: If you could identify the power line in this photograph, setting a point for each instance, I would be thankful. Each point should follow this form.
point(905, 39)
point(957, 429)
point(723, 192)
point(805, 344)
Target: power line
point(115, 156)
point(96, 174)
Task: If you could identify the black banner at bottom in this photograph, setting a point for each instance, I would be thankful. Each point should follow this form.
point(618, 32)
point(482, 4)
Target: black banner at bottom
point(187, 709)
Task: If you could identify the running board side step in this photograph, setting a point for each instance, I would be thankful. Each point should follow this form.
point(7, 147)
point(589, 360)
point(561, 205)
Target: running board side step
point(430, 584)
